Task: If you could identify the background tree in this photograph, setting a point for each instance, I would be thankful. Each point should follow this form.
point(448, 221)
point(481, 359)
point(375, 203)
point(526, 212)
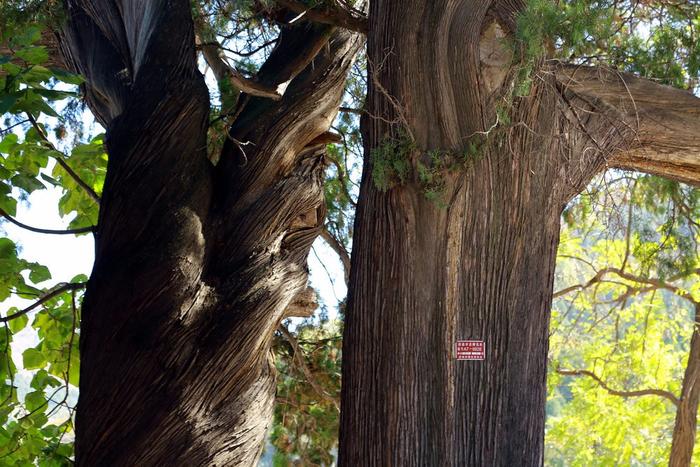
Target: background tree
point(624, 348)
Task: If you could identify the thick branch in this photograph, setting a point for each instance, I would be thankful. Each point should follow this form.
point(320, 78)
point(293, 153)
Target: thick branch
point(334, 15)
point(642, 392)
point(61, 288)
point(665, 121)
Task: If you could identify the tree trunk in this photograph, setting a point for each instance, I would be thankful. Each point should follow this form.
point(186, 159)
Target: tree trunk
point(196, 263)
point(481, 266)
point(687, 411)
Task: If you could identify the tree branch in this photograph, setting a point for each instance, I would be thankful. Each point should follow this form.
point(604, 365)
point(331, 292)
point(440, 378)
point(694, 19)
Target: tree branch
point(223, 71)
point(351, 110)
point(303, 305)
point(642, 392)
point(298, 356)
point(44, 298)
point(653, 282)
point(339, 248)
point(45, 231)
point(665, 120)
point(335, 15)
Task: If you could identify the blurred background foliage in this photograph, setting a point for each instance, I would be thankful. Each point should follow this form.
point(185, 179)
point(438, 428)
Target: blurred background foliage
point(626, 291)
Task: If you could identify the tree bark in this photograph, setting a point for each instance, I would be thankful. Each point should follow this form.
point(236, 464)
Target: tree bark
point(687, 412)
point(480, 268)
point(196, 264)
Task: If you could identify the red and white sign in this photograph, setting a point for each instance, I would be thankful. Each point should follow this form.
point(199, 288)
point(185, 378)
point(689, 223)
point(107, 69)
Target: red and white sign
point(470, 350)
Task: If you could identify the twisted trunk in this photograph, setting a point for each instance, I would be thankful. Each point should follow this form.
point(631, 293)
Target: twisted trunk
point(196, 264)
point(480, 267)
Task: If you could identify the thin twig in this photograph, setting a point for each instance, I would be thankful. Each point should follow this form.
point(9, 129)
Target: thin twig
point(45, 231)
point(340, 250)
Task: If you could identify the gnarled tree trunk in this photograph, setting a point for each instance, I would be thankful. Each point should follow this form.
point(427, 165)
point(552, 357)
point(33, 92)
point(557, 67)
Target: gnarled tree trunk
point(196, 263)
point(481, 267)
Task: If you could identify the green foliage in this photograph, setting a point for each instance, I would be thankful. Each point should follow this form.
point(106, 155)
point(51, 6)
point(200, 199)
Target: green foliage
point(633, 331)
point(655, 39)
point(431, 177)
point(305, 431)
point(391, 160)
point(38, 397)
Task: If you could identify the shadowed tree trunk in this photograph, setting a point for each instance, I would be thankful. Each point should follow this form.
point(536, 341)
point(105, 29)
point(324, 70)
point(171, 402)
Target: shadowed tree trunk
point(480, 267)
point(196, 263)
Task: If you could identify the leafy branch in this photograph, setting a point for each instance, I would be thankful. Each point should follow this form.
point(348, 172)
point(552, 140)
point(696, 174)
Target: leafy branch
point(63, 163)
point(58, 290)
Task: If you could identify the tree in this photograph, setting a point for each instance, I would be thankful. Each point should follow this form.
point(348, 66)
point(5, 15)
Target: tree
point(472, 152)
point(205, 220)
point(199, 254)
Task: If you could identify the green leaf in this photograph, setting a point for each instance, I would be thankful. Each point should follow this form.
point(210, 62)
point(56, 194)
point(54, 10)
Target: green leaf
point(7, 248)
point(7, 101)
point(39, 273)
point(33, 359)
point(7, 202)
point(35, 400)
point(67, 77)
point(19, 323)
point(34, 55)
point(54, 95)
point(28, 184)
point(50, 179)
point(8, 143)
point(37, 74)
point(42, 379)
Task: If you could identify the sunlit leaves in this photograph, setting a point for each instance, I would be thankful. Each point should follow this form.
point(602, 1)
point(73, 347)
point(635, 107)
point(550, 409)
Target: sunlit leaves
point(38, 394)
point(632, 331)
point(36, 419)
point(655, 39)
point(12, 270)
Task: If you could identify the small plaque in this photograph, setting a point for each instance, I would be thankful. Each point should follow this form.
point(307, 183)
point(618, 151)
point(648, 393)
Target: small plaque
point(470, 350)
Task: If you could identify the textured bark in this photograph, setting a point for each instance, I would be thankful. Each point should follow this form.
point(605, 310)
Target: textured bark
point(482, 268)
point(195, 264)
point(665, 120)
point(687, 412)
